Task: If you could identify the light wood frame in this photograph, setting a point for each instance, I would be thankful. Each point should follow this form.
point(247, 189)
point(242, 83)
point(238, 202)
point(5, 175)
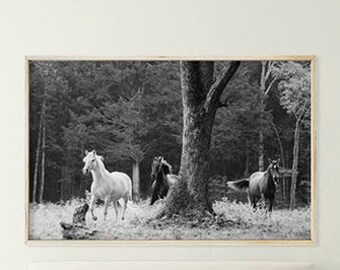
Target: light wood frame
point(167, 265)
point(311, 242)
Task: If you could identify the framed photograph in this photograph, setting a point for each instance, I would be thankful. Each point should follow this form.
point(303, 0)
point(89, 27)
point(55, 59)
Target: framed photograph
point(171, 150)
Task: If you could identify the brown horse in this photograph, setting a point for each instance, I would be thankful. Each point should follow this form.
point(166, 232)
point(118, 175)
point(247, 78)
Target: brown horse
point(260, 185)
point(162, 177)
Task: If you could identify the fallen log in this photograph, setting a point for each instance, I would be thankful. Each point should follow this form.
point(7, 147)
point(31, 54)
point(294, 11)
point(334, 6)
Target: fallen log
point(77, 230)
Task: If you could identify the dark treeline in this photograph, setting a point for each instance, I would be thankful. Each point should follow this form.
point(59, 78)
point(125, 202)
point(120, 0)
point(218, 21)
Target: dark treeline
point(131, 111)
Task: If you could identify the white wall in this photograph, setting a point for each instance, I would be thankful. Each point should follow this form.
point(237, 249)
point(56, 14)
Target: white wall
point(158, 28)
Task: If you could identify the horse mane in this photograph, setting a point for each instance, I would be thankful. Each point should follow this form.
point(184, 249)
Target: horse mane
point(100, 160)
point(167, 168)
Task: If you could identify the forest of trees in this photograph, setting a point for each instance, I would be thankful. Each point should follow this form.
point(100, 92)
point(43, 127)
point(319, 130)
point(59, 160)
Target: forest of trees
point(131, 111)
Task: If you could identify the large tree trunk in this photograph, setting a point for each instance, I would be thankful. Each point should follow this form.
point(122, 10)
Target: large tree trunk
point(201, 98)
point(42, 184)
point(135, 181)
point(295, 164)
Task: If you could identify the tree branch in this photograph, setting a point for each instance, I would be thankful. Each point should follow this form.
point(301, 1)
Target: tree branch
point(301, 112)
point(271, 84)
point(305, 112)
point(218, 86)
point(269, 69)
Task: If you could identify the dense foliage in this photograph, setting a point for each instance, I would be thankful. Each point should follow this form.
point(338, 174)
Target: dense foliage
point(131, 111)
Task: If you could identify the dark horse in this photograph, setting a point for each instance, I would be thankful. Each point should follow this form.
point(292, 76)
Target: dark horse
point(260, 185)
point(162, 178)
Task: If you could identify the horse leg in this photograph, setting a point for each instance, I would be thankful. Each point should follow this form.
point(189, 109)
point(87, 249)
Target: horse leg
point(252, 201)
point(154, 198)
point(161, 193)
point(271, 202)
point(155, 194)
point(263, 201)
point(116, 209)
point(106, 205)
point(165, 191)
point(126, 199)
point(254, 204)
point(92, 202)
point(249, 199)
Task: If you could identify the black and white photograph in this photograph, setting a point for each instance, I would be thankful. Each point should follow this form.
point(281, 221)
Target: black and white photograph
point(171, 149)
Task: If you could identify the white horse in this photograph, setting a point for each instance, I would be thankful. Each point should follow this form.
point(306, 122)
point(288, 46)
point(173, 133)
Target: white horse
point(106, 186)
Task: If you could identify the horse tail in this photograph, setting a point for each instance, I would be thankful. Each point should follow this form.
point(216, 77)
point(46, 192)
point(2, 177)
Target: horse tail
point(131, 205)
point(239, 185)
point(130, 191)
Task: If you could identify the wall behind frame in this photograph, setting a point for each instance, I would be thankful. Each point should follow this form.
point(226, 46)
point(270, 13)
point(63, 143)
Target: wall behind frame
point(171, 28)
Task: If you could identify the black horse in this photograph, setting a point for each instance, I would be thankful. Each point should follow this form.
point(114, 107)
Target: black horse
point(162, 178)
point(260, 185)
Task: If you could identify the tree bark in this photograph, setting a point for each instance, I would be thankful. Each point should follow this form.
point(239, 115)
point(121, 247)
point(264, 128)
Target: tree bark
point(246, 169)
point(295, 164)
point(66, 178)
point(37, 156)
point(261, 135)
point(282, 161)
point(41, 127)
point(200, 103)
point(261, 151)
point(135, 181)
point(42, 184)
point(266, 83)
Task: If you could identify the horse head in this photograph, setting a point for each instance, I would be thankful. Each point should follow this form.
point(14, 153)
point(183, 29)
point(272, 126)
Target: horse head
point(274, 169)
point(90, 161)
point(156, 167)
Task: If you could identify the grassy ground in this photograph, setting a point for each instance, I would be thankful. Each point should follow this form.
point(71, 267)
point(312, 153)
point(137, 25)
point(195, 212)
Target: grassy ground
point(233, 222)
